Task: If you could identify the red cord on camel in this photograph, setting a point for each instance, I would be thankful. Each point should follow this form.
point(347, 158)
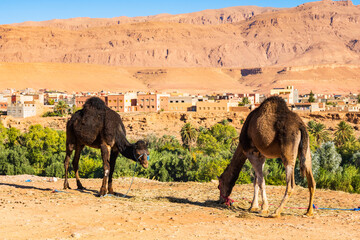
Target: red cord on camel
point(228, 201)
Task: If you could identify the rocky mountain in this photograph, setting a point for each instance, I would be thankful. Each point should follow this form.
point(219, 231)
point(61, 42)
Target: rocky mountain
point(324, 33)
point(206, 17)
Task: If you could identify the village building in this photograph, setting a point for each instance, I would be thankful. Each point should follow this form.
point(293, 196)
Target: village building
point(3, 103)
point(182, 103)
point(289, 94)
point(215, 106)
point(122, 103)
point(308, 107)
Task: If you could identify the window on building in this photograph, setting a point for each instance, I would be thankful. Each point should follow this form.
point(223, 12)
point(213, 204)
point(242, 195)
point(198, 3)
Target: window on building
point(223, 108)
point(148, 106)
point(182, 101)
point(208, 108)
point(153, 106)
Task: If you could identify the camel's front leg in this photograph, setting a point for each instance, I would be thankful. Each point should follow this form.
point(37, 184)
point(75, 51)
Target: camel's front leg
point(69, 150)
point(105, 153)
point(113, 157)
point(258, 161)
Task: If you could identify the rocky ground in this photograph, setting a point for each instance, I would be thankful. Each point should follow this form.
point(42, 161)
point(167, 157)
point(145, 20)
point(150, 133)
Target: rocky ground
point(156, 210)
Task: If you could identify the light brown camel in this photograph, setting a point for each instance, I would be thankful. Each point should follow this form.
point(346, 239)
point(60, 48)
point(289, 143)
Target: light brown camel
point(98, 126)
point(270, 131)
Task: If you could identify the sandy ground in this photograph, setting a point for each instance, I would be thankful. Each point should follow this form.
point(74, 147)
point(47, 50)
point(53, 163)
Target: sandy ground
point(156, 210)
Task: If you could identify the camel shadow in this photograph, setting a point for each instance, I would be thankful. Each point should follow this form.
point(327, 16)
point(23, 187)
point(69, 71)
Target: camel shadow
point(85, 190)
point(97, 194)
point(243, 212)
point(25, 187)
point(207, 203)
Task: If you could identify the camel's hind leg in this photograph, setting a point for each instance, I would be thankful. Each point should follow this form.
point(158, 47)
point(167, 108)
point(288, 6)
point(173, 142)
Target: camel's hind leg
point(113, 156)
point(311, 183)
point(69, 150)
point(258, 161)
point(78, 149)
point(290, 185)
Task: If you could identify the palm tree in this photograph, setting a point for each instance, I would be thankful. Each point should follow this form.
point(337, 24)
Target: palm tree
point(188, 135)
point(344, 133)
point(62, 107)
point(318, 130)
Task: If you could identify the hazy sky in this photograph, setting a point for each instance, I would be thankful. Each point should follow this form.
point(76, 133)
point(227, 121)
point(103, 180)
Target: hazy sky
point(13, 11)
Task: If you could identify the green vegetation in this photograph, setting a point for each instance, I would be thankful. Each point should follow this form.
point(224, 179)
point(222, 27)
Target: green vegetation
point(60, 109)
point(244, 102)
point(200, 155)
point(311, 97)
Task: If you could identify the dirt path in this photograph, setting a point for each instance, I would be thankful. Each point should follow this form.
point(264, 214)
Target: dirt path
point(156, 210)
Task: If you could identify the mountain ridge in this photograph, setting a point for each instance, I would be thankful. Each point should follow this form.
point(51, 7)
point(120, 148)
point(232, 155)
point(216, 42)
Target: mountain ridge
point(320, 33)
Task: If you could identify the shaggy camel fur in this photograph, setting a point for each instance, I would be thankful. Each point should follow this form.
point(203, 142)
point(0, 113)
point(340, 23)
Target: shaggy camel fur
point(98, 126)
point(270, 131)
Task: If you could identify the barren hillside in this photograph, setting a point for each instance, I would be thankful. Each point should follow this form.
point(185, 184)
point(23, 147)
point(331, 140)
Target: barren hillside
point(331, 78)
point(314, 33)
point(203, 51)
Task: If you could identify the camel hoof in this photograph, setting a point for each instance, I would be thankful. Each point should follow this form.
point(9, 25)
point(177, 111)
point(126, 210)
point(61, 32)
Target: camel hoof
point(309, 214)
point(254, 210)
point(264, 212)
point(275, 215)
point(102, 192)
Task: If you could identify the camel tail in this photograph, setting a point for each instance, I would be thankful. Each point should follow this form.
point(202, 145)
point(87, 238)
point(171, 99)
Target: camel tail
point(303, 149)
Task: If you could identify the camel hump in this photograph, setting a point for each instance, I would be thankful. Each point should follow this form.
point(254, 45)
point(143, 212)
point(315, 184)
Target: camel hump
point(274, 104)
point(95, 102)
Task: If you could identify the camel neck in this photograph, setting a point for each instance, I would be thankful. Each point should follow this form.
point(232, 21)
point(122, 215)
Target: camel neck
point(128, 151)
point(231, 173)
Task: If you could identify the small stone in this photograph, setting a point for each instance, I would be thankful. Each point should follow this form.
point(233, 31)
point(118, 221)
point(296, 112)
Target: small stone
point(76, 235)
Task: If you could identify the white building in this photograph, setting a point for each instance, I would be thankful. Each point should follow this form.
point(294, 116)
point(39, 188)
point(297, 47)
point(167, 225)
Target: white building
point(129, 99)
point(289, 94)
point(19, 110)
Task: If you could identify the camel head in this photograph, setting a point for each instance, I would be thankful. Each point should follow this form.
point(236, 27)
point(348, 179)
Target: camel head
point(141, 153)
point(224, 192)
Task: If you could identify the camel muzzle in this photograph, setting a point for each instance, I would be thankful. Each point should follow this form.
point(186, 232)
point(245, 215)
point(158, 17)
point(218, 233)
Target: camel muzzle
point(143, 159)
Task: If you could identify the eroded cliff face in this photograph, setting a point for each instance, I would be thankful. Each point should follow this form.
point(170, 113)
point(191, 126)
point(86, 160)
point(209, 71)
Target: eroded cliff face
point(313, 33)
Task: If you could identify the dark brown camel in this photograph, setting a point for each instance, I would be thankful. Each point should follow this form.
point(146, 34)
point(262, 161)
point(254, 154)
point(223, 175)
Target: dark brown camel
point(98, 126)
point(270, 131)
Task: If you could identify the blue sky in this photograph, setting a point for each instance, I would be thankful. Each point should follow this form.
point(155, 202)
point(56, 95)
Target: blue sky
point(13, 11)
